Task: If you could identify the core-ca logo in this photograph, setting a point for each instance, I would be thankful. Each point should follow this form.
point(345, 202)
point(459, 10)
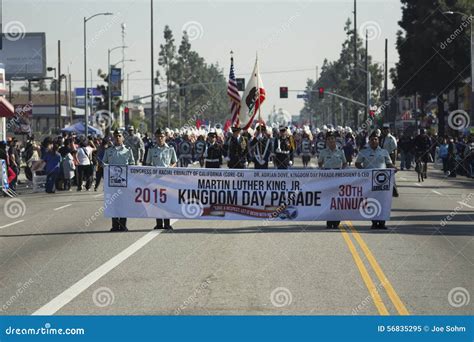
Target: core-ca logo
point(380, 180)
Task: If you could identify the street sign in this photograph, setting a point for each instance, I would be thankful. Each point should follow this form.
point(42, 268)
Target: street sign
point(79, 92)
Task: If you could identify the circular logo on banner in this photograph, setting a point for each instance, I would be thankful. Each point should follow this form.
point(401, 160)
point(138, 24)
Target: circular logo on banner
point(380, 180)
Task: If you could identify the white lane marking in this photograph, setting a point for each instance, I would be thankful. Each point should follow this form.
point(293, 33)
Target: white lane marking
point(11, 224)
point(467, 205)
point(418, 184)
point(437, 192)
point(75, 290)
point(403, 178)
point(64, 206)
point(96, 196)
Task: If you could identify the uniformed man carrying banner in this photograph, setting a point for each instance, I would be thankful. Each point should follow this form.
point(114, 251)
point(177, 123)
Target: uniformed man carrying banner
point(161, 155)
point(332, 158)
point(118, 155)
point(374, 157)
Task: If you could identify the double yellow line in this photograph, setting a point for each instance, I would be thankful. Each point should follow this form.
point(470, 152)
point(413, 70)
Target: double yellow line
point(373, 290)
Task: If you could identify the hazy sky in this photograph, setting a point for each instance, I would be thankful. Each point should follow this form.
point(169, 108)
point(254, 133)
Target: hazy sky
point(288, 35)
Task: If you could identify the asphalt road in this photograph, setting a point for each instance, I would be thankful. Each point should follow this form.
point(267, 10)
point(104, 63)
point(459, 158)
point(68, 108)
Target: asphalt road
point(53, 262)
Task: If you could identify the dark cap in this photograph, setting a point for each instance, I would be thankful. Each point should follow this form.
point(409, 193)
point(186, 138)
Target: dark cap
point(373, 135)
point(117, 132)
point(283, 128)
point(159, 131)
point(236, 129)
point(330, 134)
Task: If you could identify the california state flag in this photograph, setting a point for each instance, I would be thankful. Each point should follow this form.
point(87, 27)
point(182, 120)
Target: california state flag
point(253, 98)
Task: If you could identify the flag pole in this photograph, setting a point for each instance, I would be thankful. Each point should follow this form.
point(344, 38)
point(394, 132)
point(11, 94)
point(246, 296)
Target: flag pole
point(258, 88)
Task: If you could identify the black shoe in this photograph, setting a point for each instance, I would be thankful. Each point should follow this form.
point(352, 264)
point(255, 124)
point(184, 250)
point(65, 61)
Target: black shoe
point(374, 226)
point(157, 227)
point(124, 229)
point(382, 226)
point(168, 227)
point(114, 229)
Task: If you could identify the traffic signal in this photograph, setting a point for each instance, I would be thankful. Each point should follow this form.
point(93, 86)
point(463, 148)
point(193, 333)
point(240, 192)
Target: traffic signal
point(182, 90)
point(283, 92)
point(240, 84)
point(321, 92)
point(126, 114)
point(126, 111)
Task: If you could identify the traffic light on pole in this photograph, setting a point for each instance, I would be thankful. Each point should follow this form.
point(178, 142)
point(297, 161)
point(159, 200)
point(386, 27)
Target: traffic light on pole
point(321, 92)
point(283, 92)
point(126, 114)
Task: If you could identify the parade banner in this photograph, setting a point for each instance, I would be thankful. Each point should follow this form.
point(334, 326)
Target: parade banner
point(229, 194)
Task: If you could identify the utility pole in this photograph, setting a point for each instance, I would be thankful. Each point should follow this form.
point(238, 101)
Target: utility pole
point(356, 62)
point(385, 85)
point(152, 75)
point(367, 94)
point(59, 84)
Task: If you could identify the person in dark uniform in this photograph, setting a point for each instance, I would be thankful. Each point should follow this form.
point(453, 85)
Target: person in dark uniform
point(262, 147)
point(284, 147)
point(199, 148)
point(238, 150)
point(212, 156)
point(118, 155)
point(185, 151)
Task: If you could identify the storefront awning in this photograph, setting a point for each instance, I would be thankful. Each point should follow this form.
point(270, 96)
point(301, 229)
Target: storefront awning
point(6, 108)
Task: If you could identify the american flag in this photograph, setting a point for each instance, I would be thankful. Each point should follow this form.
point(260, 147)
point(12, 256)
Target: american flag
point(234, 95)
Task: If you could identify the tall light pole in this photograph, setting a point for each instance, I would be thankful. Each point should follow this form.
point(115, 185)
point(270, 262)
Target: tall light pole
point(86, 114)
point(471, 19)
point(152, 71)
point(109, 67)
point(128, 82)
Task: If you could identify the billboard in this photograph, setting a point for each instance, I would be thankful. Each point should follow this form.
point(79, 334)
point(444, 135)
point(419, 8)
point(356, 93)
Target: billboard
point(24, 56)
point(21, 122)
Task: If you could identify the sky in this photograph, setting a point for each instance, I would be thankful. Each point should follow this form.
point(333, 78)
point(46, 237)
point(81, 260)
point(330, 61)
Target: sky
point(292, 38)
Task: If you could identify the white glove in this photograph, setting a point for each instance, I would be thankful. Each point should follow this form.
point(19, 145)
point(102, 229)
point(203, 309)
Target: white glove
point(290, 163)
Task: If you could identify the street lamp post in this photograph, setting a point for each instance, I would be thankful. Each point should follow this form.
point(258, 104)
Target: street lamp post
point(128, 82)
point(86, 116)
point(471, 19)
point(109, 67)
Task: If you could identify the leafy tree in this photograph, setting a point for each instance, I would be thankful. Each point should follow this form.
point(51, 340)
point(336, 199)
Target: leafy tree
point(429, 64)
point(342, 77)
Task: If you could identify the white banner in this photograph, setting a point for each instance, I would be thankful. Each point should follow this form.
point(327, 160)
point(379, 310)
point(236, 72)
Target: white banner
point(228, 194)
